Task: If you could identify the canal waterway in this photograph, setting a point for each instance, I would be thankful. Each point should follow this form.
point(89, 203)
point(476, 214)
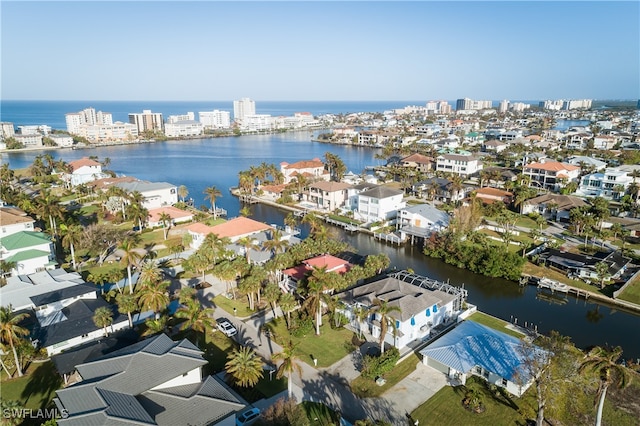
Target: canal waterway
point(200, 163)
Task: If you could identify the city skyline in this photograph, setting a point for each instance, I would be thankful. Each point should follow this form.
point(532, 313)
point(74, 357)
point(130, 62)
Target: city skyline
point(319, 51)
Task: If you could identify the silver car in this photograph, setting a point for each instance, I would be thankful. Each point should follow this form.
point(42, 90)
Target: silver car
point(226, 327)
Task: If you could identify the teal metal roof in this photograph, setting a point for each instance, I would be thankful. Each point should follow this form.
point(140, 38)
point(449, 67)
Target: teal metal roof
point(28, 254)
point(24, 239)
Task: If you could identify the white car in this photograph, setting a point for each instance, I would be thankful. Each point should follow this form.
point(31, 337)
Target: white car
point(226, 327)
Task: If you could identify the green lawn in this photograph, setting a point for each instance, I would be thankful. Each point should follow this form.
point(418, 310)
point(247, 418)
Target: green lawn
point(240, 303)
point(367, 388)
point(35, 389)
point(319, 414)
point(329, 347)
point(446, 406)
point(632, 292)
point(495, 323)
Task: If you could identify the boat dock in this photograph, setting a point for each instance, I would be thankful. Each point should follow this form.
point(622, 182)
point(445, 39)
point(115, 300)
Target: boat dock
point(349, 227)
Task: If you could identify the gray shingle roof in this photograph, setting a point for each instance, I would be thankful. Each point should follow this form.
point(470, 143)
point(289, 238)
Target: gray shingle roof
point(381, 192)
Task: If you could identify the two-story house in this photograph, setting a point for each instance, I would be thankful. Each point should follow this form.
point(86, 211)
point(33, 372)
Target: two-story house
point(13, 220)
point(311, 169)
point(418, 162)
point(380, 203)
point(611, 184)
point(328, 195)
point(421, 220)
point(28, 252)
point(460, 164)
point(84, 170)
point(551, 175)
point(156, 194)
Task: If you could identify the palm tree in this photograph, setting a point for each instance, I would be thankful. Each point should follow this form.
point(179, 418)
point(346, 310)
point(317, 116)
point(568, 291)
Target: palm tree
point(10, 331)
point(248, 243)
point(103, 317)
point(186, 295)
point(127, 303)
point(150, 273)
point(197, 319)
point(604, 363)
point(130, 257)
point(288, 304)
point(245, 211)
point(360, 314)
point(244, 366)
point(48, 206)
point(212, 193)
point(276, 243)
point(165, 218)
point(272, 294)
point(382, 309)
point(154, 297)
point(250, 285)
point(183, 192)
point(155, 326)
point(289, 364)
point(138, 213)
point(316, 284)
point(72, 237)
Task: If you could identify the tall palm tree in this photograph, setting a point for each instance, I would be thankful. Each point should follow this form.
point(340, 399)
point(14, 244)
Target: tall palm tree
point(197, 319)
point(165, 218)
point(250, 285)
point(48, 206)
point(72, 237)
point(150, 273)
point(317, 283)
point(289, 364)
point(248, 243)
point(360, 314)
point(137, 213)
point(103, 317)
point(127, 303)
point(383, 310)
point(154, 297)
point(130, 257)
point(10, 331)
point(272, 294)
point(276, 243)
point(288, 304)
point(212, 193)
point(244, 366)
point(604, 363)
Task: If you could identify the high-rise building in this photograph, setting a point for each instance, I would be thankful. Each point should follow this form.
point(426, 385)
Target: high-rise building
point(7, 130)
point(181, 117)
point(147, 121)
point(463, 104)
point(215, 119)
point(466, 104)
point(243, 108)
point(503, 107)
point(87, 117)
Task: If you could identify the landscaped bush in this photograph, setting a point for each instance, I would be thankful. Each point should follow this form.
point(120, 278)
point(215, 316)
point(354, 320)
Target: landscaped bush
point(302, 327)
point(376, 366)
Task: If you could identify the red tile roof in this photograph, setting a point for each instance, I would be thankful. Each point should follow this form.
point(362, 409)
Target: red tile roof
point(333, 264)
point(239, 226)
point(493, 191)
point(552, 166)
point(173, 212)
point(75, 165)
point(308, 164)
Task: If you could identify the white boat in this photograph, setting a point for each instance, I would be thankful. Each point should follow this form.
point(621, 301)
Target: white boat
point(553, 285)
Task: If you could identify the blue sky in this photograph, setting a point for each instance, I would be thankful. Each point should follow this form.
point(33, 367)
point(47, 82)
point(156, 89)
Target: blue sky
point(209, 50)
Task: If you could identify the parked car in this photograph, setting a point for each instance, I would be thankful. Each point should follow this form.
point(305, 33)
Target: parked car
point(248, 417)
point(226, 327)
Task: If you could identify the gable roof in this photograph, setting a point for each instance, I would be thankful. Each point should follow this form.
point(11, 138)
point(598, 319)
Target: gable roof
point(471, 344)
point(13, 216)
point(430, 212)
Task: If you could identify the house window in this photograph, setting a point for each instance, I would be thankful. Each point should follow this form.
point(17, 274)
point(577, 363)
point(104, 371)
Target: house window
point(185, 374)
point(84, 336)
point(479, 370)
point(504, 382)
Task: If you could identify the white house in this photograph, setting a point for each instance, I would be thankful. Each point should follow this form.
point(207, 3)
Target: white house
point(153, 382)
point(425, 306)
point(64, 141)
point(420, 220)
point(156, 194)
point(31, 251)
point(328, 195)
point(84, 170)
point(380, 203)
point(183, 128)
point(554, 205)
point(472, 349)
point(551, 175)
point(311, 169)
point(14, 220)
point(611, 184)
point(587, 163)
point(233, 229)
point(460, 164)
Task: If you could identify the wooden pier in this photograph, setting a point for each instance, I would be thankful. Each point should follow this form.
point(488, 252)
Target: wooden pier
point(247, 199)
point(389, 238)
point(349, 227)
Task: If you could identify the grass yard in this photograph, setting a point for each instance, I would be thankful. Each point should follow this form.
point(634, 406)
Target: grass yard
point(495, 323)
point(35, 389)
point(446, 406)
point(240, 303)
point(541, 271)
point(319, 414)
point(632, 292)
point(329, 347)
point(265, 388)
point(367, 388)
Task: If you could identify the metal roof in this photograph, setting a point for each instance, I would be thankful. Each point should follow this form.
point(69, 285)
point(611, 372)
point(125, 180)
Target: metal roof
point(472, 344)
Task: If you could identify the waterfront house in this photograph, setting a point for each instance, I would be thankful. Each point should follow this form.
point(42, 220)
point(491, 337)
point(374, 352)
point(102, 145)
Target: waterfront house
point(272, 192)
point(30, 252)
point(14, 220)
point(176, 215)
point(328, 195)
point(440, 189)
point(587, 164)
point(380, 203)
point(584, 266)
point(550, 175)
point(418, 162)
point(421, 220)
point(426, 306)
point(83, 171)
point(292, 276)
point(156, 382)
point(156, 194)
point(554, 206)
point(472, 349)
point(310, 169)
